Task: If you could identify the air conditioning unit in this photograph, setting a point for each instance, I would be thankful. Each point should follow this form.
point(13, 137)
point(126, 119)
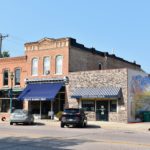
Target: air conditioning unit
point(47, 72)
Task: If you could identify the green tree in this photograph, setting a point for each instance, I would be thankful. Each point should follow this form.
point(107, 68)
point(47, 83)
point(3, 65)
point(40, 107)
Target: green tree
point(4, 54)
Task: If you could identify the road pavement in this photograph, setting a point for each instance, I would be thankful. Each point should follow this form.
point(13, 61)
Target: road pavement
point(43, 136)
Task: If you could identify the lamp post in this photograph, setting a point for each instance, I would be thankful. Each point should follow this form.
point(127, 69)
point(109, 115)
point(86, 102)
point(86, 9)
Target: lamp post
point(11, 92)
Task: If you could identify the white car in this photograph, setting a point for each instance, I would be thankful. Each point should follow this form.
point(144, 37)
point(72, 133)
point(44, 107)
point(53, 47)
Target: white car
point(21, 116)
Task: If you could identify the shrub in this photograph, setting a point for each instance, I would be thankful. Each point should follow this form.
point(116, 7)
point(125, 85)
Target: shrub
point(59, 114)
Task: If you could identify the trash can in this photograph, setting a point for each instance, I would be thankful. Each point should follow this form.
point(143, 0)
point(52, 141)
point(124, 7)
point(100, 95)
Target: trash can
point(51, 115)
point(146, 116)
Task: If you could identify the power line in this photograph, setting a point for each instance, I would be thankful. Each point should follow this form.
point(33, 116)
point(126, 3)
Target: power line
point(16, 38)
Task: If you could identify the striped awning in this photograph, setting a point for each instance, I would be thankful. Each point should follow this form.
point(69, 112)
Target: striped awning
point(101, 92)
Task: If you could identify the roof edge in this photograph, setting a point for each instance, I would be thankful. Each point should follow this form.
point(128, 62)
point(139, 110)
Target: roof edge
point(94, 51)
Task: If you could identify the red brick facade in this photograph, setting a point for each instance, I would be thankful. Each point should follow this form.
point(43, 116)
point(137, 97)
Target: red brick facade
point(11, 64)
point(72, 61)
point(37, 50)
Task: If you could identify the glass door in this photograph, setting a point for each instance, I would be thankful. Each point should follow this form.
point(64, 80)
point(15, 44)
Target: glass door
point(102, 110)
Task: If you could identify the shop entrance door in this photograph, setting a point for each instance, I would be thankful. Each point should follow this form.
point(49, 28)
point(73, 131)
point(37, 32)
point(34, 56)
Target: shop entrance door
point(102, 110)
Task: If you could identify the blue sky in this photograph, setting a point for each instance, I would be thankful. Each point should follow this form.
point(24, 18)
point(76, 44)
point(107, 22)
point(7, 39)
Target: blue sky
point(122, 25)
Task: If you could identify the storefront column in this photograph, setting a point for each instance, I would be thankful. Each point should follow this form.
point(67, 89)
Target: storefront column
point(80, 103)
point(26, 105)
point(40, 110)
point(95, 106)
point(52, 113)
point(0, 105)
point(59, 102)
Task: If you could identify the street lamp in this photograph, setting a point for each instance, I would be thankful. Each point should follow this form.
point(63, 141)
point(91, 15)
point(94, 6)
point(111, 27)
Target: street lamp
point(11, 91)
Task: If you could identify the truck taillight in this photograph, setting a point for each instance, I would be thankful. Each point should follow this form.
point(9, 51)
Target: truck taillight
point(78, 114)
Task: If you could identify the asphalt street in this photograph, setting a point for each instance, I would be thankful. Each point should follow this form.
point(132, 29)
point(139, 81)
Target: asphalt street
point(44, 137)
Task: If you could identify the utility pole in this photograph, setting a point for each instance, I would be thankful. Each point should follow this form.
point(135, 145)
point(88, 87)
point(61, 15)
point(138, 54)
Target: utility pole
point(1, 39)
point(113, 51)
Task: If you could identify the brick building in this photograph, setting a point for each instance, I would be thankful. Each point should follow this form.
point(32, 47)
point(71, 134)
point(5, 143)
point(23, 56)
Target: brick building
point(46, 66)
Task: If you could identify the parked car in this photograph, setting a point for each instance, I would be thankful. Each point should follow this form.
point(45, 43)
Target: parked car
point(73, 116)
point(21, 116)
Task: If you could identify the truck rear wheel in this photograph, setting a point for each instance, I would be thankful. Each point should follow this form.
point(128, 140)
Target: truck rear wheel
point(11, 123)
point(62, 125)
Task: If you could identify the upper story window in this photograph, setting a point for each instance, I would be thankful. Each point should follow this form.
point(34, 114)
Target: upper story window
point(5, 77)
point(34, 67)
point(100, 66)
point(32, 48)
point(59, 64)
point(46, 65)
point(17, 76)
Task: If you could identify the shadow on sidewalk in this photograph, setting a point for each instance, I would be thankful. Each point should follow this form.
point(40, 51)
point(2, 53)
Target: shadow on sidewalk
point(93, 126)
point(87, 127)
point(34, 124)
point(38, 124)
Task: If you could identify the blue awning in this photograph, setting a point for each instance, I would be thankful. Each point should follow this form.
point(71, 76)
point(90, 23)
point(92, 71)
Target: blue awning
point(40, 91)
point(101, 92)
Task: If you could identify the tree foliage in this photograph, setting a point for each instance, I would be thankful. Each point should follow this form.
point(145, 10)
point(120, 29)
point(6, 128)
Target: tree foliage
point(4, 54)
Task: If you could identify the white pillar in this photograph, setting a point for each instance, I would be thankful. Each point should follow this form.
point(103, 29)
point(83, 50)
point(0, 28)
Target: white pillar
point(40, 110)
point(52, 110)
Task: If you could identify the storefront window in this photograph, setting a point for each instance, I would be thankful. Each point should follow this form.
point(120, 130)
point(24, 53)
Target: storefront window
point(113, 106)
point(62, 101)
point(88, 105)
point(4, 105)
point(5, 78)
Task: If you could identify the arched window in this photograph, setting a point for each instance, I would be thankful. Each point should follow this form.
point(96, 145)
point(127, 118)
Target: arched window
point(17, 76)
point(46, 65)
point(34, 69)
point(59, 64)
point(5, 77)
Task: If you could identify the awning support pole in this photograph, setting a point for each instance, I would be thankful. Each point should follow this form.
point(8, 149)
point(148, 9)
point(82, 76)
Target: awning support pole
point(40, 110)
point(52, 110)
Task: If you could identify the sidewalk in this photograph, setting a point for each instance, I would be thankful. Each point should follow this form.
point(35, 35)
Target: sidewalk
point(139, 127)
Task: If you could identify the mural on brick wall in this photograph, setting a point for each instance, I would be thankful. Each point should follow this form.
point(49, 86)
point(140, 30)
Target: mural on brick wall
point(140, 94)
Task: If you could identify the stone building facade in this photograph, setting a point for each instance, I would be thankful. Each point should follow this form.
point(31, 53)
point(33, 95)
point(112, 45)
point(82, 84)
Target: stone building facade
point(54, 59)
point(134, 94)
point(97, 79)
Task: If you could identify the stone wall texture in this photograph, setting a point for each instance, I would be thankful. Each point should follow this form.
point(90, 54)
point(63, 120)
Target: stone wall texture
point(100, 78)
